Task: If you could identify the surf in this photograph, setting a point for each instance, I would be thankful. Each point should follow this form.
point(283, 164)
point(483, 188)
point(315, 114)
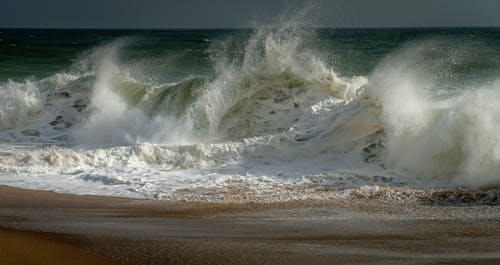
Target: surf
point(270, 117)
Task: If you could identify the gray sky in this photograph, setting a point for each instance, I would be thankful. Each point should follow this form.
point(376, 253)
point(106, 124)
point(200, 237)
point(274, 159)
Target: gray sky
point(238, 13)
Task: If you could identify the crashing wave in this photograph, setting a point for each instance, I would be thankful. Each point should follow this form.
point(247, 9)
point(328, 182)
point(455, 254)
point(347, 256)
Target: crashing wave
point(272, 118)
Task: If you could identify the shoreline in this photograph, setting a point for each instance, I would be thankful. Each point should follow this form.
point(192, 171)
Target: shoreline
point(130, 231)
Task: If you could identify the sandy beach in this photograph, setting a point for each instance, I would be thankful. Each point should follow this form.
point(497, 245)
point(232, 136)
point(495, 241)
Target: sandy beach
point(45, 228)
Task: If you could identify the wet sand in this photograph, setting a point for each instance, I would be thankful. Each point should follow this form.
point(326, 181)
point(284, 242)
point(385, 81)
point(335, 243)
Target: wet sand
point(27, 247)
point(44, 228)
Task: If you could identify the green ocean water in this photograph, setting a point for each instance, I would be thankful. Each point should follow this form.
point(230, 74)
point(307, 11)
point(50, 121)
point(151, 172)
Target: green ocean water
point(175, 54)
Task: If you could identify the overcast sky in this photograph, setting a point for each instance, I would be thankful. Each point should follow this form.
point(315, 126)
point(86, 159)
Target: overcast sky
point(239, 13)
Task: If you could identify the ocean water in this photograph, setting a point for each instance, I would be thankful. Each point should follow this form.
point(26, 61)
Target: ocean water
point(266, 114)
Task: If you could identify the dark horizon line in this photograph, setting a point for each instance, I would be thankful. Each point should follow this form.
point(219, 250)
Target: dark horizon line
point(243, 28)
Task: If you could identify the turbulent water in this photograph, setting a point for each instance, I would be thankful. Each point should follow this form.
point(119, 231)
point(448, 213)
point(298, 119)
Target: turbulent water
point(272, 113)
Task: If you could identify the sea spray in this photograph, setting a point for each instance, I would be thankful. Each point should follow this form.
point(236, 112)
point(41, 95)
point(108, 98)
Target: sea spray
point(430, 136)
point(276, 66)
point(19, 103)
point(113, 119)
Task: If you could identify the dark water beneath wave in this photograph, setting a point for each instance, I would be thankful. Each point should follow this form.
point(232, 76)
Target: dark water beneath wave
point(41, 52)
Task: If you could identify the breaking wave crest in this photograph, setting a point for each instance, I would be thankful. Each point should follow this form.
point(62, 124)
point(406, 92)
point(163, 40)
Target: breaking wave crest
point(274, 74)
